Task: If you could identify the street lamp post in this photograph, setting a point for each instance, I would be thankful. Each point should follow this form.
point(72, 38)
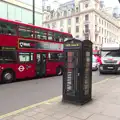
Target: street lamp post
point(33, 12)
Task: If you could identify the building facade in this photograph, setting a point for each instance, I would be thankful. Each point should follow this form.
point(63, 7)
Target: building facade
point(20, 11)
point(86, 20)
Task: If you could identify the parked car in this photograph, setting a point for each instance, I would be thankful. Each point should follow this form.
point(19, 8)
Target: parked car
point(94, 63)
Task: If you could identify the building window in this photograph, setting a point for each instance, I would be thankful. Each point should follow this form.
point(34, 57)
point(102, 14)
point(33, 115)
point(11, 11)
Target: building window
point(69, 30)
point(99, 29)
point(77, 19)
point(69, 12)
point(48, 25)
point(65, 13)
point(61, 23)
point(86, 17)
point(76, 9)
point(86, 5)
point(77, 28)
point(54, 25)
point(99, 39)
point(102, 30)
point(3, 9)
point(38, 19)
point(61, 29)
point(11, 12)
point(102, 40)
point(105, 40)
point(87, 37)
point(77, 36)
point(69, 21)
point(99, 21)
point(95, 18)
point(27, 19)
point(86, 28)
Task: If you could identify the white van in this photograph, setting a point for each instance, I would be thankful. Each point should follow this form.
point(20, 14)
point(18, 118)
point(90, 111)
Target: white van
point(110, 58)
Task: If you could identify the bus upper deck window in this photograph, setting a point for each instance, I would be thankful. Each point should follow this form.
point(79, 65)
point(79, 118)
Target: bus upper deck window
point(50, 35)
point(58, 37)
point(25, 31)
point(40, 34)
point(7, 28)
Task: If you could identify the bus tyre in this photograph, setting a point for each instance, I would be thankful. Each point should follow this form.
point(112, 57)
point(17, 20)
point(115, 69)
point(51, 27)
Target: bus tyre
point(8, 76)
point(59, 71)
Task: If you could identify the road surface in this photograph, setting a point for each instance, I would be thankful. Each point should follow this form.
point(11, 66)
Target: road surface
point(17, 95)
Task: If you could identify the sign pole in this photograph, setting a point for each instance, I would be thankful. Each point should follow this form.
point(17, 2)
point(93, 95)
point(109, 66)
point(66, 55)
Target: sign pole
point(33, 12)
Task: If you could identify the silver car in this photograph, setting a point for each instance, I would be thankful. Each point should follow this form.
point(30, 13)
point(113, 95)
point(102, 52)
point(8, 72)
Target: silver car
point(94, 63)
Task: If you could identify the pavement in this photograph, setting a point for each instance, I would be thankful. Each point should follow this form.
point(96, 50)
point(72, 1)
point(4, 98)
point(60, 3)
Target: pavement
point(105, 105)
point(34, 91)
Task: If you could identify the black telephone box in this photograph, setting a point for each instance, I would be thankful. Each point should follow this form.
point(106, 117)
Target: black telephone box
point(77, 75)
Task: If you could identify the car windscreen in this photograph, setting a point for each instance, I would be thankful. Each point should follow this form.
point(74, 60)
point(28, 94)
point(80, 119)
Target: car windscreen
point(115, 53)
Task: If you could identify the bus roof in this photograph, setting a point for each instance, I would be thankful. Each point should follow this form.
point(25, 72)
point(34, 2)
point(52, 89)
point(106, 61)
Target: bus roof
point(33, 26)
point(113, 46)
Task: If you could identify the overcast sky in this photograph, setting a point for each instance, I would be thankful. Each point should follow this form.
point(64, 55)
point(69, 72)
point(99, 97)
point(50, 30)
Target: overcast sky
point(109, 3)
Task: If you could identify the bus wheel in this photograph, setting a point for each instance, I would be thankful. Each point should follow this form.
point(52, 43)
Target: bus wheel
point(59, 71)
point(8, 76)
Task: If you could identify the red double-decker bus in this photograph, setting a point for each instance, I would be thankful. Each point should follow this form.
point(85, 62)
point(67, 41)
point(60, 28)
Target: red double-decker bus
point(27, 51)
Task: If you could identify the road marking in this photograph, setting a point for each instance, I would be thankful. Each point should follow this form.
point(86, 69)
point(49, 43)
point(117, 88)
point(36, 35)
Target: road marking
point(102, 81)
point(44, 102)
point(29, 107)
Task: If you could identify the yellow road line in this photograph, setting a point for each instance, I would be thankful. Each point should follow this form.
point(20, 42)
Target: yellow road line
point(44, 102)
point(29, 107)
point(102, 81)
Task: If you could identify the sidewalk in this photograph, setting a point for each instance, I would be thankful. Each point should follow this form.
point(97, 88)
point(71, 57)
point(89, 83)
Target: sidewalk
point(104, 106)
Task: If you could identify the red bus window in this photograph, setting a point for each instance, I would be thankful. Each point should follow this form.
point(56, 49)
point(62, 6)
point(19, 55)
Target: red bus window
point(26, 32)
point(55, 56)
point(7, 28)
point(8, 56)
point(58, 37)
point(26, 57)
point(41, 34)
point(50, 35)
point(66, 37)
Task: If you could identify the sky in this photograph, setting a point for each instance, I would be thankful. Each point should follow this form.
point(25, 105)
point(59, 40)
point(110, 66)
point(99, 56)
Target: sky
point(108, 3)
point(112, 3)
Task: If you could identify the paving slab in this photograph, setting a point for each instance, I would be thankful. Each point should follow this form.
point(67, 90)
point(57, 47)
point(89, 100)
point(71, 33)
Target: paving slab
point(70, 118)
point(105, 105)
point(101, 117)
